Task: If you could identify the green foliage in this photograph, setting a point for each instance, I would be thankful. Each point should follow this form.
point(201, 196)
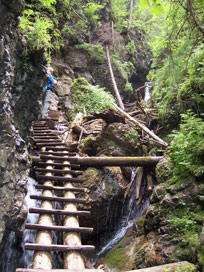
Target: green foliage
point(187, 147)
point(155, 6)
point(91, 10)
point(95, 51)
point(92, 98)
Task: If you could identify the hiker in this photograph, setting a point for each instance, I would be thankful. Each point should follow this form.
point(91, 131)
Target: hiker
point(51, 81)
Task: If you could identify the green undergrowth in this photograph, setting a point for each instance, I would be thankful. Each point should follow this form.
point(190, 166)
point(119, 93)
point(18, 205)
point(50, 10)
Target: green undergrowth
point(89, 97)
point(187, 148)
point(189, 226)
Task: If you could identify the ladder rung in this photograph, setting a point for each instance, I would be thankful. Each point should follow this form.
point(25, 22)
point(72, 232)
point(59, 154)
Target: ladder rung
point(56, 270)
point(59, 171)
point(63, 248)
point(59, 212)
point(49, 144)
point(58, 228)
point(49, 157)
point(58, 178)
point(72, 166)
point(59, 199)
point(58, 153)
point(59, 188)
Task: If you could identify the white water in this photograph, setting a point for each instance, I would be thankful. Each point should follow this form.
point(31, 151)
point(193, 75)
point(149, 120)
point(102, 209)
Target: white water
point(30, 235)
point(147, 92)
point(130, 214)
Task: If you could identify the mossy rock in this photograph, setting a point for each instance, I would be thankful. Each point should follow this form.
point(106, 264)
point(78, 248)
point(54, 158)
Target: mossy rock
point(164, 170)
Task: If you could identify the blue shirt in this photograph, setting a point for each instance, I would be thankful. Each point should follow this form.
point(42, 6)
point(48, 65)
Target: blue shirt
point(51, 80)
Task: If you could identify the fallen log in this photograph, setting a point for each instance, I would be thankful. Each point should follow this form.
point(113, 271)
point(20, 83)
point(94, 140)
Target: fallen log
point(143, 127)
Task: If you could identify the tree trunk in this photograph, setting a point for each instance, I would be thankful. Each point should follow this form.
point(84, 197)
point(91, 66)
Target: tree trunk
point(113, 80)
point(143, 127)
point(131, 11)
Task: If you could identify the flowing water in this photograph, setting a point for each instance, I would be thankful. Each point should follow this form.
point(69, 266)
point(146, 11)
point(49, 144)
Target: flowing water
point(147, 95)
point(29, 235)
point(130, 213)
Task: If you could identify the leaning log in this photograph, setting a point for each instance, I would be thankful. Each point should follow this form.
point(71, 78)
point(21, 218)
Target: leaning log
point(143, 127)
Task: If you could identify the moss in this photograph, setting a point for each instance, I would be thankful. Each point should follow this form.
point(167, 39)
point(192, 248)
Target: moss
point(185, 268)
point(116, 257)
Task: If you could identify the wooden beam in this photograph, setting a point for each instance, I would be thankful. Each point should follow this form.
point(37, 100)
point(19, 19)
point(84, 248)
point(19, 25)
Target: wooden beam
point(58, 228)
point(72, 166)
point(59, 199)
point(58, 153)
point(62, 248)
point(60, 188)
point(55, 148)
point(48, 140)
point(49, 157)
point(47, 144)
point(56, 270)
point(59, 212)
point(59, 171)
point(58, 178)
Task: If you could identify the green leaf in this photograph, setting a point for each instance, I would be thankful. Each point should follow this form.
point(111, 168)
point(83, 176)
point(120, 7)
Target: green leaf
point(156, 9)
point(144, 4)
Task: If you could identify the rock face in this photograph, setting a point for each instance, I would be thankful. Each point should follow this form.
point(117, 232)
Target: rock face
point(13, 151)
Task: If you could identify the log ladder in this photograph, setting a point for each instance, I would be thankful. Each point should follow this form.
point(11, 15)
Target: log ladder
point(55, 173)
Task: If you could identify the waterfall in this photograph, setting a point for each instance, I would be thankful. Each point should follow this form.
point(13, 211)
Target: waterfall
point(147, 92)
point(30, 235)
point(129, 214)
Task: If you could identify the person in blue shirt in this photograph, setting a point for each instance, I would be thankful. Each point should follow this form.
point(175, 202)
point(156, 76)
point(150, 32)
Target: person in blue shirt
point(51, 81)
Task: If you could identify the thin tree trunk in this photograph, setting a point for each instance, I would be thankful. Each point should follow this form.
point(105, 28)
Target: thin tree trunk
point(143, 127)
point(113, 80)
point(130, 17)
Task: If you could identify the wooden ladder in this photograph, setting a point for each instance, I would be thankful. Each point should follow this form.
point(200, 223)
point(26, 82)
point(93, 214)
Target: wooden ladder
point(56, 173)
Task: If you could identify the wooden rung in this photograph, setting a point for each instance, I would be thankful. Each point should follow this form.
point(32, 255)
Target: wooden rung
point(49, 144)
point(58, 228)
point(47, 140)
point(59, 199)
point(59, 212)
point(56, 164)
point(56, 270)
point(42, 130)
point(58, 178)
point(59, 171)
point(49, 157)
point(46, 137)
point(59, 188)
point(58, 153)
point(44, 134)
point(62, 248)
point(59, 148)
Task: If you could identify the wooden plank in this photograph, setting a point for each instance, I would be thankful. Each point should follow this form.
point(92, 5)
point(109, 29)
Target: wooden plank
point(49, 157)
point(40, 128)
point(48, 140)
point(59, 188)
point(59, 171)
point(58, 228)
point(59, 199)
point(172, 267)
point(62, 248)
point(58, 153)
point(56, 270)
point(59, 212)
point(55, 148)
point(49, 144)
point(46, 137)
point(56, 164)
point(58, 178)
